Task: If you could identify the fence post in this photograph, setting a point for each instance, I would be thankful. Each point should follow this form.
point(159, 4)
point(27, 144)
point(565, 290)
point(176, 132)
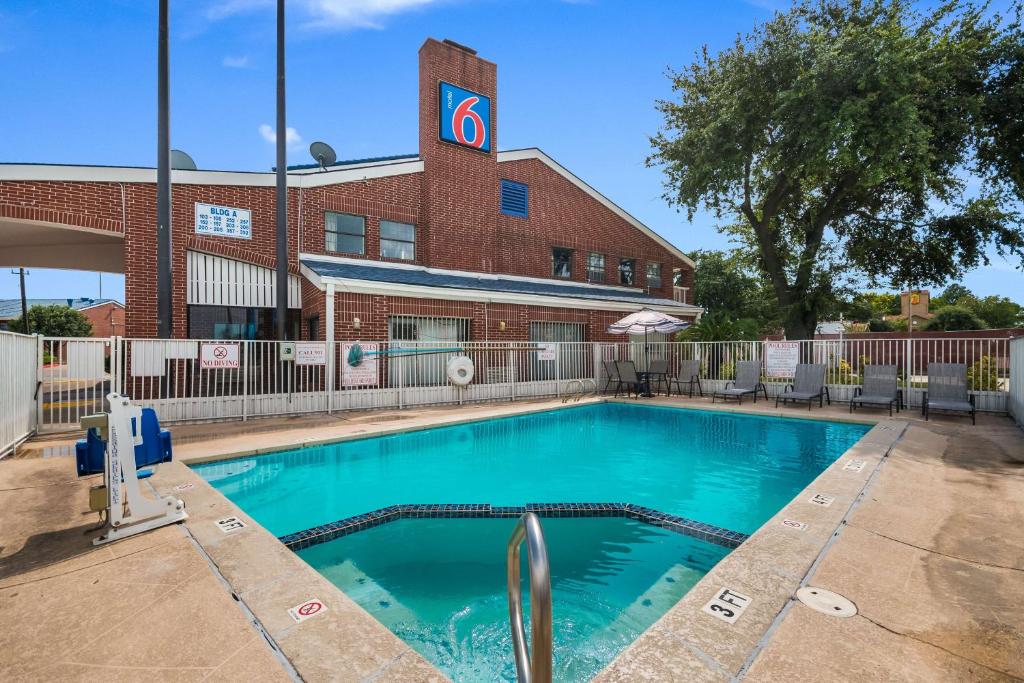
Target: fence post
point(908, 371)
point(245, 380)
point(512, 369)
point(401, 375)
point(558, 371)
point(330, 376)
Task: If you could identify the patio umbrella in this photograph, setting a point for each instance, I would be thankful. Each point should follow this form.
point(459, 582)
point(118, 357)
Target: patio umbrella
point(644, 321)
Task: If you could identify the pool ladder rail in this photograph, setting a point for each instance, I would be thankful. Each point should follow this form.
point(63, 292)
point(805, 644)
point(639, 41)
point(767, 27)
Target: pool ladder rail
point(581, 389)
point(533, 666)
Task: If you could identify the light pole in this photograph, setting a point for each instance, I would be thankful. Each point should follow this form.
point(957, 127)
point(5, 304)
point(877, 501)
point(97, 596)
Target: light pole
point(282, 183)
point(164, 308)
point(24, 304)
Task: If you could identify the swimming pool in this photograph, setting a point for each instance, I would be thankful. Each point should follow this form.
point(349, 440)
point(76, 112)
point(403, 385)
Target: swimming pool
point(728, 470)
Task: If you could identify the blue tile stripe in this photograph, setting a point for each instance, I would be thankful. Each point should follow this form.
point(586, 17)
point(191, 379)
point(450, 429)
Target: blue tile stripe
point(688, 527)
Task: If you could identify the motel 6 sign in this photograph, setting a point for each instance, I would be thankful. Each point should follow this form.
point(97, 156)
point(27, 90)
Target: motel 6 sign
point(464, 117)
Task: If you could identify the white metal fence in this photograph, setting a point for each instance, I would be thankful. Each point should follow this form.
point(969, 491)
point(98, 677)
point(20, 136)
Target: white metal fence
point(193, 380)
point(1016, 389)
point(17, 389)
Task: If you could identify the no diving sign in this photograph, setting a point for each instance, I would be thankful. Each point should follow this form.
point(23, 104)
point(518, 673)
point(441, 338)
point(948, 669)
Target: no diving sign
point(308, 609)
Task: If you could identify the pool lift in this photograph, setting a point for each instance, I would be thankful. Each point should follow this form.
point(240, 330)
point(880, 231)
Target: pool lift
point(118, 433)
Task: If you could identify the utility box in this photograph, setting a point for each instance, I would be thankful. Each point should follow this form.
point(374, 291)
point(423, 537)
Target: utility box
point(286, 351)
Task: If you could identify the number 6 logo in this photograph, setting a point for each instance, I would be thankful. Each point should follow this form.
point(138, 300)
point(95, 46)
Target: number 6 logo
point(465, 111)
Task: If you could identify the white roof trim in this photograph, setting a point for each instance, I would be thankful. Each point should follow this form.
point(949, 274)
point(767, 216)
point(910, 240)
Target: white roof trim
point(125, 174)
point(535, 153)
point(614, 289)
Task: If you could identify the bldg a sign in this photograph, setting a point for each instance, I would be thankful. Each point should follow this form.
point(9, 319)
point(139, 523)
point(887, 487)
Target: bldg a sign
point(223, 221)
point(464, 117)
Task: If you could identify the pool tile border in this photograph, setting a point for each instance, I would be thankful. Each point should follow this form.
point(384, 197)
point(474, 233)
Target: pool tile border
point(323, 533)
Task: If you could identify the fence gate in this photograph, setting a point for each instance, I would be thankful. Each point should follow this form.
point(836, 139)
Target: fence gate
point(75, 375)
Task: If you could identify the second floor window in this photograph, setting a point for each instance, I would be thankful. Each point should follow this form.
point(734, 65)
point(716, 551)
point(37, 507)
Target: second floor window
point(345, 233)
point(654, 275)
point(595, 267)
point(627, 272)
point(561, 262)
point(397, 240)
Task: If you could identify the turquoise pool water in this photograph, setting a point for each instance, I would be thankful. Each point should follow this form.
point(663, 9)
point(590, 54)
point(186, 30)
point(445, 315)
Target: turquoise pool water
point(439, 584)
point(733, 471)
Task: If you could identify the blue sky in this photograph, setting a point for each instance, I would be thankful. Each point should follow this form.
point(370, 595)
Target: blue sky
point(576, 78)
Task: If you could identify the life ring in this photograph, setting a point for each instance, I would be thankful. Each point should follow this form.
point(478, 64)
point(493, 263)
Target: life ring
point(460, 370)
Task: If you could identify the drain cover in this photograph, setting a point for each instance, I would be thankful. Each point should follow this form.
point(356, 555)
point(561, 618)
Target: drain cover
point(826, 602)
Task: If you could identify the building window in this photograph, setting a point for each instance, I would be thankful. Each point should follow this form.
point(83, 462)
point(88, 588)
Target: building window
point(595, 267)
point(239, 322)
point(397, 240)
point(654, 276)
point(561, 262)
point(627, 271)
point(313, 328)
point(345, 232)
point(514, 198)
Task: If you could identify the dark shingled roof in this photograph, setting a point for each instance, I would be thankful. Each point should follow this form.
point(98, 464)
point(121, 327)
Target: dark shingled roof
point(423, 277)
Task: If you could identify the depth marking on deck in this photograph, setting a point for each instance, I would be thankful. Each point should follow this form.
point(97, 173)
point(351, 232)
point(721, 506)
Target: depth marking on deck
point(822, 500)
point(727, 605)
point(794, 524)
point(306, 610)
point(855, 465)
point(184, 487)
point(230, 525)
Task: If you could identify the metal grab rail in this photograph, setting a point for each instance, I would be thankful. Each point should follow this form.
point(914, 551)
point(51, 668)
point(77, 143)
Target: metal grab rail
point(533, 666)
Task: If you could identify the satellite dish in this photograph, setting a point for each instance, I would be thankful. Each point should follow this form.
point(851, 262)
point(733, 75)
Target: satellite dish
point(182, 161)
point(323, 153)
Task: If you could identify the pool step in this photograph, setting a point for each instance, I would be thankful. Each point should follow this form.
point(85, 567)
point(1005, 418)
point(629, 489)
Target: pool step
point(350, 525)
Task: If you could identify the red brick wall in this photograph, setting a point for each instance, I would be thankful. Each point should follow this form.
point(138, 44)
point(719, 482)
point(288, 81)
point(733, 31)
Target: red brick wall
point(107, 319)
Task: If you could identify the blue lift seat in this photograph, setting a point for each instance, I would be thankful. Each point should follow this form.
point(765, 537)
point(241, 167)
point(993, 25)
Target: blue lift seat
point(154, 449)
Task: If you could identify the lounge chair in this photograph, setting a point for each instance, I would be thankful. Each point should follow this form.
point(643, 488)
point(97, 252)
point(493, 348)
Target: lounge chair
point(879, 388)
point(748, 381)
point(629, 379)
point(658, 372)
point(808, 384)
point(612, 372)
point(947, 390)
point(689, 375)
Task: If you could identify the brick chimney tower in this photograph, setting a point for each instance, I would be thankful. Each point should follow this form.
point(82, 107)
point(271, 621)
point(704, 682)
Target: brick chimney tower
point(458, 145)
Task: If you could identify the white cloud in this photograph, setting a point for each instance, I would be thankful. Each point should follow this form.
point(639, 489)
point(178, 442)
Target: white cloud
point(327, 14)
point(291, 136)
point(236, 62)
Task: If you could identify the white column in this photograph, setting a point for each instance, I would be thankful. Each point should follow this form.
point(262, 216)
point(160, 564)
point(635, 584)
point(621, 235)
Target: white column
point(329, 332)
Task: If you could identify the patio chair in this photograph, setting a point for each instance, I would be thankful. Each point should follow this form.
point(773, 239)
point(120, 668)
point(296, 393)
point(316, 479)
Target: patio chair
point(658, 371)
point(879, 388)
point(748, 381)
point(808, 384)
point(611, 371)
point(689, 375)
point(947, 390)
point(629, 379)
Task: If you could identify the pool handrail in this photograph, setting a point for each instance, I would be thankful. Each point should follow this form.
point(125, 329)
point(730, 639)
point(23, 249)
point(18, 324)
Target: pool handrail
point(533, 666)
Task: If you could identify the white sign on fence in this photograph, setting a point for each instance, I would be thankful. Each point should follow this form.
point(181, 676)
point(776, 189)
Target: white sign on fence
point(547, 351)
point(218, 355)
point(363, 374)
point(223, 221)
point(781, 358)
point(311, 353)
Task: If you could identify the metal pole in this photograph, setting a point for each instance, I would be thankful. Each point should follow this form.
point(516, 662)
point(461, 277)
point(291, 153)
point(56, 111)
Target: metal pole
point(282, 183)
point(24, 303)
point(163, 183)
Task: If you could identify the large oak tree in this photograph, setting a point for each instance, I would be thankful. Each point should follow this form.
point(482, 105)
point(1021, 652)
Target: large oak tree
point(854, 143)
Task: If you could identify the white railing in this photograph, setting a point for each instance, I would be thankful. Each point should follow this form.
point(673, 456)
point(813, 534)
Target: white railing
point(195, 380)
point(18, 366)
point(1016, 389)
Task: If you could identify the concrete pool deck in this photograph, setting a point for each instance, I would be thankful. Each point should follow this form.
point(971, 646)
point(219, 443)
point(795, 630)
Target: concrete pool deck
point(927, 545)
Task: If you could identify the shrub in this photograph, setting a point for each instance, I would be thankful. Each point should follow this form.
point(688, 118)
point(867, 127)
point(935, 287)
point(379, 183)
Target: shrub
point(983, 375)
point(879, 325)
point(727, 370)
point(955, 318)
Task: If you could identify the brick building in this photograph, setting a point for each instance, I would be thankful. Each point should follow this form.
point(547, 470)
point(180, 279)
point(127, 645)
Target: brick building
point(456, 242)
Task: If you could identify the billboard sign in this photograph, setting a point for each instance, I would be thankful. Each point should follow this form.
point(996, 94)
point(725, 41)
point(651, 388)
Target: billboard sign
point(223, 221)
point(464, 117)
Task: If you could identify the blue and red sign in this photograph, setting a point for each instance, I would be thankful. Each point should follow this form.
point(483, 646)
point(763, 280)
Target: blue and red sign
point(464, 117)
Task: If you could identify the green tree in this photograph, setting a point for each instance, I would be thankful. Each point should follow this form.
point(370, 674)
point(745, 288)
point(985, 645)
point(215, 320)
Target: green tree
point(54, 321)
point(866, 306)
point(999, 311)
point(954, 295)
point(880, 325)
point(728, 282)
point(955, 318)
point(836, 142)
